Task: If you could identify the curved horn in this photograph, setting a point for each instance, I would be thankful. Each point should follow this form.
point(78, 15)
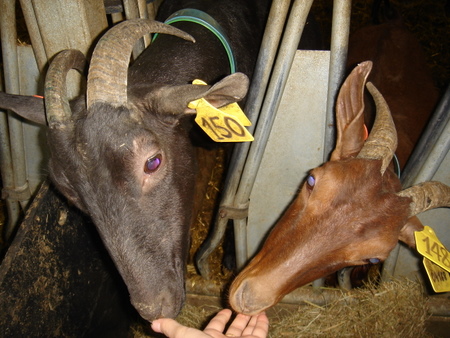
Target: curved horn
point(382, 140)
point(108, 72)
point(55, 91)
point(426, 196)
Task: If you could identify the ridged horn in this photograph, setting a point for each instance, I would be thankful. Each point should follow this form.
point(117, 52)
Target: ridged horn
point(55, 91)
point(426, 196)
point(382, 141)
point(108, 72)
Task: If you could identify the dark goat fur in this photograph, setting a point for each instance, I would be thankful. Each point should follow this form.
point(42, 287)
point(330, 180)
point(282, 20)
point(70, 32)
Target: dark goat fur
point(98, 157)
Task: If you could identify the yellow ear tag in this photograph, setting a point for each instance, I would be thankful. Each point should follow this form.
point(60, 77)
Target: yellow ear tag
point(226, 124)
point(436, 259)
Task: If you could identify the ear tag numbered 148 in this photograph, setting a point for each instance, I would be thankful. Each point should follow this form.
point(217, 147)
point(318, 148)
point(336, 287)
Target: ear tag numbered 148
point(436, 259)
point(226, 124)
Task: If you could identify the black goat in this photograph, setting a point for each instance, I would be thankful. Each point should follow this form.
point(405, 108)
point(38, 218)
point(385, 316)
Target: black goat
point(122, 153)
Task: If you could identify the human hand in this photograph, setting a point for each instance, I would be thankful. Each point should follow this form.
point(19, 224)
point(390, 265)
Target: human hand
point(242, 326)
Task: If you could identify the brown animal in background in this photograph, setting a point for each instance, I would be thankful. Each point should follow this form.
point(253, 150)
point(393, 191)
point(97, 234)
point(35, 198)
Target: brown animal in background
point(401, 74)
point(349, 212)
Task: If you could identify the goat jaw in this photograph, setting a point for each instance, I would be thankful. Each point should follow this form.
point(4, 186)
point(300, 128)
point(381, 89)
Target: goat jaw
point(108, 73)
point(426, 196)
point(382, 141)
point(56, 101)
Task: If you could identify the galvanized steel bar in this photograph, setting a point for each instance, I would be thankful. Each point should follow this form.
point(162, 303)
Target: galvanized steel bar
point(341, 24)
point(74, 24)
point(131, 8)
point(435, 156)
point(144, 14)
point(432, 146)
point(16, 150)
point(35, 34)
point(340, 30)
point(424, 161)
point(389, 264)
point(266, 57)
point(289, 44)
point(152, 8)
point(7, 172)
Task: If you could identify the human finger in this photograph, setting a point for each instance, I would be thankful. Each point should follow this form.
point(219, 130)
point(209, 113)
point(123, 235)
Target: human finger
point(238, 325)
point(248, 329)
point(257, 327)
point(219, 321)
point(170, 327)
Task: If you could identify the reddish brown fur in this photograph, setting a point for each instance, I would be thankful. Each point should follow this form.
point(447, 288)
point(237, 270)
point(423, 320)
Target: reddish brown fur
point(338, 207)
point(352, 214)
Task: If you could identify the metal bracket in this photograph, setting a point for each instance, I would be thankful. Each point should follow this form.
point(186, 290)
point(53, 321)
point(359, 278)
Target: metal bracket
point(233, 213)
point(21, 193)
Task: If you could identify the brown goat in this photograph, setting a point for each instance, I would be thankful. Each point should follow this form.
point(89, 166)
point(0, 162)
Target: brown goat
point(349, 212)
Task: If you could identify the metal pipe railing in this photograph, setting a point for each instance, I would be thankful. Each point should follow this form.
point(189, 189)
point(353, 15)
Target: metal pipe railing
point(340, 31)
point(424, 161)
point(432, 146)
point(289, 44)
point(266, 58)
point(16, 152)
point(35, 34)
point(242, 176)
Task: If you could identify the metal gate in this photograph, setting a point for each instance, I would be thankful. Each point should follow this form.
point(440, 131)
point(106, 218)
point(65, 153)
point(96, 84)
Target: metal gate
point(273, 106)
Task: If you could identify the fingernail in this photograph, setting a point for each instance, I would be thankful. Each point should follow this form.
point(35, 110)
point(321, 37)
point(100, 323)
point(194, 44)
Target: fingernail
point(156, 326)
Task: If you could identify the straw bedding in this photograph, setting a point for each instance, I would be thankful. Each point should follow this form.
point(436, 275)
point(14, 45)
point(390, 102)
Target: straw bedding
point(393, 309)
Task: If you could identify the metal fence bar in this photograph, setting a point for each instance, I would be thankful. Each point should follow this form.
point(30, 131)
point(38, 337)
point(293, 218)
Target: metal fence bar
point(35, 34)
point(432, 146)
point(291, 38)
point(132, 11)
point(423, 163)
point(16, 149)
point(266, 58)
point(340, 31)
point(82, 15)
point(243, 178)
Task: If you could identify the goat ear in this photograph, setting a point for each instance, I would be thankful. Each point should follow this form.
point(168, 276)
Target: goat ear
point(29, 107)
point(174, 100)
point(351, 132)
point(232, 88)
point(64, 186)
point(407, 232)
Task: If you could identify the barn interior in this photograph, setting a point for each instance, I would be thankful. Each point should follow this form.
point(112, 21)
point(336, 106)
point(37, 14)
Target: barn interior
point(42, 258)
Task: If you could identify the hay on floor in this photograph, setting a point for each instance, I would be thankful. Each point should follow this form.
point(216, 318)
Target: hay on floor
point(392, 309)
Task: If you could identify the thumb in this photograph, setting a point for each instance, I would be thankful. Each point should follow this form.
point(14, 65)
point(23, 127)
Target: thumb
point(170, 327)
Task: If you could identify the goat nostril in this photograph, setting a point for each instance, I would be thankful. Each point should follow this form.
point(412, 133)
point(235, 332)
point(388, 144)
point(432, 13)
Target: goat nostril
point(237, 300)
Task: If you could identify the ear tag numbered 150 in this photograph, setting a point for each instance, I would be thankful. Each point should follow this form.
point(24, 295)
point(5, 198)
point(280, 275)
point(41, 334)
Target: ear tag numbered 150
point(226, 124)
point(436, 259)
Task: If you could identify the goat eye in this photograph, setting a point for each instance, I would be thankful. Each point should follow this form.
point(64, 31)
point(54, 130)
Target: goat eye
point(152, 164)
point(310, 181)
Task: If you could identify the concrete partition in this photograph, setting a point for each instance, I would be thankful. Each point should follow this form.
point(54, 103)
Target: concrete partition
point(295, 145)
